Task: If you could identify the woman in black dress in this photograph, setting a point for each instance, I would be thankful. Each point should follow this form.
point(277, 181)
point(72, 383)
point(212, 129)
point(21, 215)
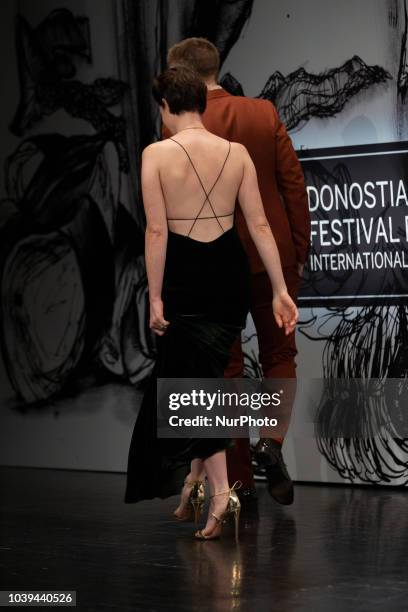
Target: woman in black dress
point(198, 278)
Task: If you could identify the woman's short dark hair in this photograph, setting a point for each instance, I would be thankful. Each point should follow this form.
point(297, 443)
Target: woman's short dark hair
point(182, 88)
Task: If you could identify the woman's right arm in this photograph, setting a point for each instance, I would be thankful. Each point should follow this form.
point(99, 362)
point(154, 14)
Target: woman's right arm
point(284, 308)
point(155, 235)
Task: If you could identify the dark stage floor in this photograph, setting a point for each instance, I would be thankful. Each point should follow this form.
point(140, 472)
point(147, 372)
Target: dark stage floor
point(337, 549)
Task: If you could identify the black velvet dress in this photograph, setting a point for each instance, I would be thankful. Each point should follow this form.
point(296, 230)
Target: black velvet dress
point(206, 299)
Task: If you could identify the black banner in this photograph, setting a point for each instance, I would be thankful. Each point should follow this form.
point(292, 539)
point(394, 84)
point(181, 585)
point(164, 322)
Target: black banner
point(358, 200)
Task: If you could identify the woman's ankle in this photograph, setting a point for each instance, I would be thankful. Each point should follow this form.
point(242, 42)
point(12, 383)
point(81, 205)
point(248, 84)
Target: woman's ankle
point(190, 479)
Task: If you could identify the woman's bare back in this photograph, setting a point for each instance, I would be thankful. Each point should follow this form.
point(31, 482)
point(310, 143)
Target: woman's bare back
point(200, 176)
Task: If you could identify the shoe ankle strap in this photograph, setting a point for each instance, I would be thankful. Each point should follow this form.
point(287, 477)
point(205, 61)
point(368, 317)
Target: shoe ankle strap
point(220, 493)
point(237, 485)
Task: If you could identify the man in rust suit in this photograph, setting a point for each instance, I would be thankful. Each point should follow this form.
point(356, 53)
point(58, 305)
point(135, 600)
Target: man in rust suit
point(255, 123)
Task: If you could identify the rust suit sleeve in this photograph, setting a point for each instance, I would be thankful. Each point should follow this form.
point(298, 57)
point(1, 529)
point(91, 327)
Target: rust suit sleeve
point(291, 185)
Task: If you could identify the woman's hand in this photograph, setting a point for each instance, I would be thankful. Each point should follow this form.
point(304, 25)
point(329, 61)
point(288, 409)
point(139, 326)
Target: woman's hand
point(157, 322)
point(285, 312)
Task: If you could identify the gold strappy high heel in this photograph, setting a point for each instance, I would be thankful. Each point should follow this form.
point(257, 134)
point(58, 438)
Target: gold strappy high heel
point(195, 502)
point(233, 509)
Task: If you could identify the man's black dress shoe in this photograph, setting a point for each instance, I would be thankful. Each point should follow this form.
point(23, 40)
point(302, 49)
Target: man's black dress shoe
point(268, 455)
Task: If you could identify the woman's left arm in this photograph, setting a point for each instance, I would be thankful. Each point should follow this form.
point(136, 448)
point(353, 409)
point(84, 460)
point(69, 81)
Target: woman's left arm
point(155, 235)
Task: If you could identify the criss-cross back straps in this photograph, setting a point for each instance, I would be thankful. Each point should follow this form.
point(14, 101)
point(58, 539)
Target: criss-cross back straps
point(207, 195)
